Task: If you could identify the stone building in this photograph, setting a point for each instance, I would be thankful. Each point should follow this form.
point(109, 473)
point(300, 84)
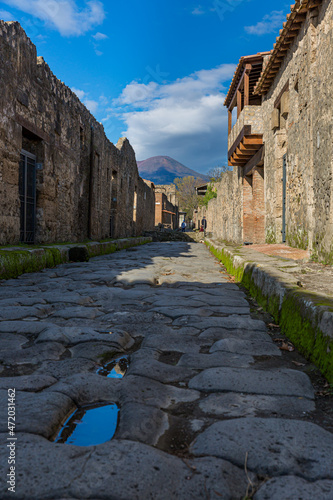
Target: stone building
point(165, 212)
point(280, 143)
point(170, 191)
point(166, 206)
point(61, 179)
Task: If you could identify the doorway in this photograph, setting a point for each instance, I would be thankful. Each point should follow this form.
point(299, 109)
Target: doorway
point(27, 193)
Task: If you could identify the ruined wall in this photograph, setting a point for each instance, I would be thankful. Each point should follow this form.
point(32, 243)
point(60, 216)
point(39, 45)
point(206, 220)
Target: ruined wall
point(305, 137)
point(85, 184)
point(224, 213)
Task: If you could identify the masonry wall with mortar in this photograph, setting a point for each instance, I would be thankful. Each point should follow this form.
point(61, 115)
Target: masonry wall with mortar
point(86, 184)
point(224, 213)
point(306, 139)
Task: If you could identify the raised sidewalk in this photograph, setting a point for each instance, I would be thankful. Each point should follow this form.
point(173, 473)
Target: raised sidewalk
point(296, 293)
point(18, 260)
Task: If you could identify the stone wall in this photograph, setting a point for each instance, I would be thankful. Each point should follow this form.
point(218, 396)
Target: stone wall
point(224, 213)
point(305, 137)
point(86, 187)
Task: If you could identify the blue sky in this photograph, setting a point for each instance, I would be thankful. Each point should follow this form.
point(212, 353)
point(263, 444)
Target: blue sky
point(155, 71)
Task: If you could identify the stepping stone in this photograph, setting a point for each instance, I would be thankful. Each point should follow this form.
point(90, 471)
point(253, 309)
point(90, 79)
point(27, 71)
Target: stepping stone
point(274, 446)
point(251, 347)
point(271, 382)
point(247, 405)
point(294, 488)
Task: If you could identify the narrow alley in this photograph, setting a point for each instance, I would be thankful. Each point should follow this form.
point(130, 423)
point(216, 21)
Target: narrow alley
point(194, 399)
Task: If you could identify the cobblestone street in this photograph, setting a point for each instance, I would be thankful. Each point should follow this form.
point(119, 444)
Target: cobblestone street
point(208, 407)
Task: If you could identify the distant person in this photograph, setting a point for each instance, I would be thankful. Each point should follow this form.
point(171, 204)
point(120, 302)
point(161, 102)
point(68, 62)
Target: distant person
point(204, 224)
point(183, 226)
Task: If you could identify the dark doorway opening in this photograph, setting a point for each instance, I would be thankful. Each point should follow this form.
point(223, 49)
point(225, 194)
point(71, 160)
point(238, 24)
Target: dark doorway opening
point(27, 191)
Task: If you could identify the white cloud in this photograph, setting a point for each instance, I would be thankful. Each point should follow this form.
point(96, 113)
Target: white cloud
point(91, 105)
point(270, 23)
point(100, 36)
point(63, 15)
point(6, 16)
point(79, 93)
point(198, 11)
point(184, 119)
point(84, 97)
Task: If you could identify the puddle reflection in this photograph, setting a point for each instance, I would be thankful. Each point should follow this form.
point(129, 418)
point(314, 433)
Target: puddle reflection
point(90, 425)
point(115, 369)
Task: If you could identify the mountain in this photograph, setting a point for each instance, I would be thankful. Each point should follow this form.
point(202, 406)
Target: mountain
point(163, 170)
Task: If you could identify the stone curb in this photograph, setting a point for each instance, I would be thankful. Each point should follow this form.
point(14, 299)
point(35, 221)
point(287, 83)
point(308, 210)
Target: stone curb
point(15, 261)
point(304, 316)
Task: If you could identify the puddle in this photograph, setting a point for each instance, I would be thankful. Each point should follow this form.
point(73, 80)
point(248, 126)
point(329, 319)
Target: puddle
point(90, 425)
point(115, 369)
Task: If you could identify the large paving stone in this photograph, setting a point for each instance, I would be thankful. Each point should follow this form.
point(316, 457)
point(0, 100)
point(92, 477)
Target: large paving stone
point(251, 347)
point(66, 367)
point(174, 342)
point(145, 365)
point(129, 317)
point(34, 383)
point(177, 312)
point(40, 413)
point(23, 327)
point(90, 387)
point(219, 358)
point(75, 335)
point(142, 423)
point(77, 312)
point(275, 447)
point(12, 341)
point(123, 469)
point(216, 333)
point(230, 298)
point(21, 312)
point(295, 488)
point(33, 355)
point(96, 351)
point(231, 322)
point(282, 382)
point(174, 301)
point(248, 405)
point(150, 392)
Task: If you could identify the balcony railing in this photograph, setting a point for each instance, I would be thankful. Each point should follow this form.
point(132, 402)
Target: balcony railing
point(250, 115)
